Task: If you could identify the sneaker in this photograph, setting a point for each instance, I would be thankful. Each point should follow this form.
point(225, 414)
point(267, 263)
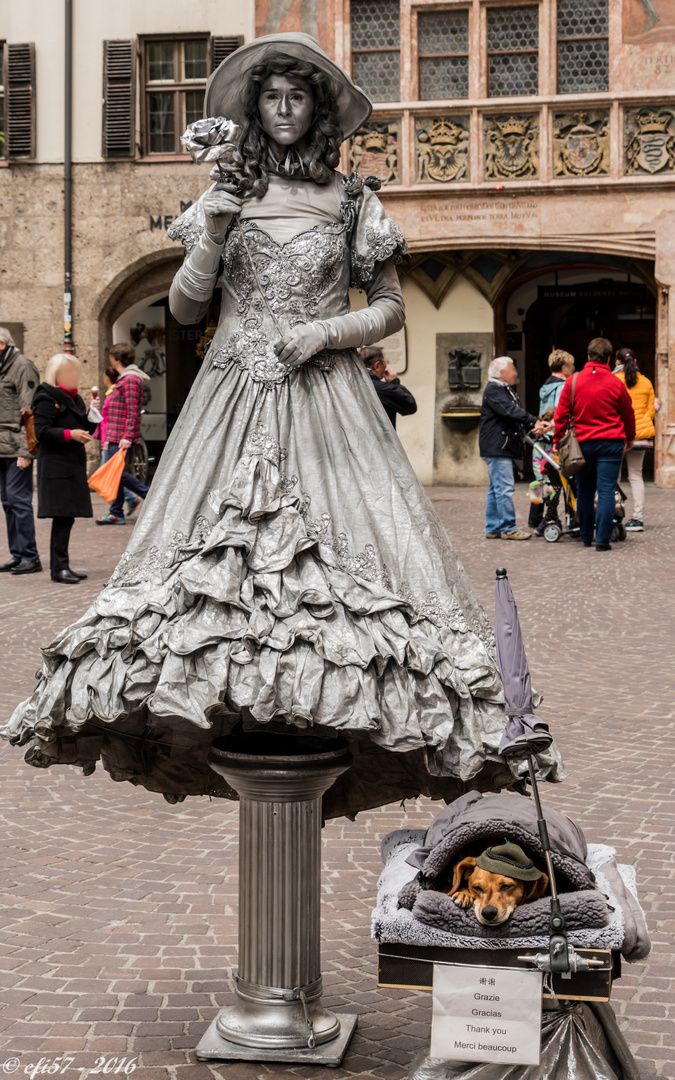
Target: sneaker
point(133, 505)
point(517, 534)
point(603, 547)
point(493, 536)
point(635, 525)
point(110, 519)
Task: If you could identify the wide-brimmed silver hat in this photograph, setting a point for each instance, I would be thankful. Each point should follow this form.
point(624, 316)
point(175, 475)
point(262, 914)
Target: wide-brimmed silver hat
point(226, 89)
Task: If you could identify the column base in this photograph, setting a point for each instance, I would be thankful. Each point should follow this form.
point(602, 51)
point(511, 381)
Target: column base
point(213, 1047)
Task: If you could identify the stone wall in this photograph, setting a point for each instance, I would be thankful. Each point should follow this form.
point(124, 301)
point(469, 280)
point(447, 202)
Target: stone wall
point(121, 251)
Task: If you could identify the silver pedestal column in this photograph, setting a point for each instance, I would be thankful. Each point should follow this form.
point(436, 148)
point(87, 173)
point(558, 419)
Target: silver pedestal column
point(278, 1014)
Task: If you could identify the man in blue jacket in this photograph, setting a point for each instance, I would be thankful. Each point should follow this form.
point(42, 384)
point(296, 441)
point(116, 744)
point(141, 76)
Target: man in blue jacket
point(502, 423)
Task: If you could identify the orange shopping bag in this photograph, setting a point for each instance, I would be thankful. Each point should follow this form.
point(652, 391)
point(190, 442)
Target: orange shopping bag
point(106, 480)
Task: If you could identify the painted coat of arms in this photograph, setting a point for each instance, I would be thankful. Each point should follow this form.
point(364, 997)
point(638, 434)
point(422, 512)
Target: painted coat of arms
point(374, 151)
point(442, 149)
point(650, 140)
point(511, 147)
point(581, 144)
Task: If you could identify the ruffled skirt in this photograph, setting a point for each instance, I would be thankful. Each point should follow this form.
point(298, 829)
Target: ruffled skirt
point(287, 569)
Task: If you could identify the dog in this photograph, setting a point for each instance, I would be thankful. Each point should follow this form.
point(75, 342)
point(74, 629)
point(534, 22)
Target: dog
point(496, 883)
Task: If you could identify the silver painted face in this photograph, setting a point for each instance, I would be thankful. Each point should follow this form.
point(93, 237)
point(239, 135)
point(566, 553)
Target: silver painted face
point(286, 107)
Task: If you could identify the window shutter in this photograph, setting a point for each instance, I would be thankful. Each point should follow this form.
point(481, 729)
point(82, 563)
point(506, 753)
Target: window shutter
point(222, 47)
point(119, 133)
point(20, 101)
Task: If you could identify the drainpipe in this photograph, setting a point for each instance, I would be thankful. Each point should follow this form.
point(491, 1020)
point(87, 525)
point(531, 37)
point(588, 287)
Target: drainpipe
point(68, 346)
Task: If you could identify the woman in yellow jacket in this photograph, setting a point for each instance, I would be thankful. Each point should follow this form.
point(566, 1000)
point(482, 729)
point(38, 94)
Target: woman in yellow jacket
point(644, 406)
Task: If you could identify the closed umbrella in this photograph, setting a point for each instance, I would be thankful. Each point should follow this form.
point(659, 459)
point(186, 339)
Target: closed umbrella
point(524, 732)
point(525, 735)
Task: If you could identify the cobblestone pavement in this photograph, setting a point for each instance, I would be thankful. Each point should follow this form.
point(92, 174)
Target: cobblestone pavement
point(118, 911)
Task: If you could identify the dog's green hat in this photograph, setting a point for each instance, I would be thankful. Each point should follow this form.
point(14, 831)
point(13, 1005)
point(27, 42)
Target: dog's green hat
point(509, 860)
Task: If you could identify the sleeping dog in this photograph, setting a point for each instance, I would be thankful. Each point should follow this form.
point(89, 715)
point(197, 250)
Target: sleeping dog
point(496, 882)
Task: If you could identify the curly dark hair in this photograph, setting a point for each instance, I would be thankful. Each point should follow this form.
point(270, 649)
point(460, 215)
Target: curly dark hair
point(325, 136)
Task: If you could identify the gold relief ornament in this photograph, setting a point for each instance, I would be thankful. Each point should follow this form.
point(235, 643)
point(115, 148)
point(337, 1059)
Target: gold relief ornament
point(650, 140)
point(374, 151)
point(511, 147)
point(581, 144)
point(442, 149)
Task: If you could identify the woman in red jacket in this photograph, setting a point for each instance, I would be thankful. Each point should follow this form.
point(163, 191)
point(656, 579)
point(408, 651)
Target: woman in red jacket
point(605, 426)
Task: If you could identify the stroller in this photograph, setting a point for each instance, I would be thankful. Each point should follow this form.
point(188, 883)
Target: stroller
point(570, 527)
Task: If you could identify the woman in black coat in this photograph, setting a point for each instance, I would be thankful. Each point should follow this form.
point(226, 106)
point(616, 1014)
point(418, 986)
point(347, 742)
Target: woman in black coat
point(62, 431)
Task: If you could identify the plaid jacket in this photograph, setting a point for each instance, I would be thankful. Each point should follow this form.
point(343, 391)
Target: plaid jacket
point(124, 409)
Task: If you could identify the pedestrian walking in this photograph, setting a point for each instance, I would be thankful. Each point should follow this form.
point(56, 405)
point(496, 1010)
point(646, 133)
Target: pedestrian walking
point(395, 398)
point(641, 393)
point(561, 366)
point(110, 377)
point(63, 431)
point(123, 417)
point(503, 421)
point(605, 425)
point(19, 378)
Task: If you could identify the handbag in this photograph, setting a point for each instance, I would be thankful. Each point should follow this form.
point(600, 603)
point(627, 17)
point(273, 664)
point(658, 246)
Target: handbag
point(572, 460)
point(106, 480)
point(29, 424)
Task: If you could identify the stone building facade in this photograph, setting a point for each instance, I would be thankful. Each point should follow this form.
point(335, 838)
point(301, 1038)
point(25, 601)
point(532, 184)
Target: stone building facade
point(139, 72)
point(526, 148)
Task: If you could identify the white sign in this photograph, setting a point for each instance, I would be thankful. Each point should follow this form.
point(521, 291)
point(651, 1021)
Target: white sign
point(486, 1014)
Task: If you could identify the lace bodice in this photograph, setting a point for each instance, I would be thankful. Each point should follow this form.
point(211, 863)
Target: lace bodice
point(294, 279)
point(270, 285)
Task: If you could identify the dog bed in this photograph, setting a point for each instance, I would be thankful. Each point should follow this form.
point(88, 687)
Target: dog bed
point(436, 921)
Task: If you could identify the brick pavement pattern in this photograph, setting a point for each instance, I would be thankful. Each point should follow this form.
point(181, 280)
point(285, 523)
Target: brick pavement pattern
point(118, 911)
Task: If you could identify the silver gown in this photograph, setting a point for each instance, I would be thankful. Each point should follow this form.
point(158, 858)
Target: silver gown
point(287, 567)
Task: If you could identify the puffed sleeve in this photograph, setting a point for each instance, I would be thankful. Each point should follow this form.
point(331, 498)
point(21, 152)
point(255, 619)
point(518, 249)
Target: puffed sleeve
point(376, 244)
point(375, 238)
point(192, 287)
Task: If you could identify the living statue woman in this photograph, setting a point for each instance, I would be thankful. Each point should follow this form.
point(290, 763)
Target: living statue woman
point(287, 568)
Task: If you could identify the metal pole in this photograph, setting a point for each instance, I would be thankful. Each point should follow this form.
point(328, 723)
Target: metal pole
point(68, 346)
point(278, 1014)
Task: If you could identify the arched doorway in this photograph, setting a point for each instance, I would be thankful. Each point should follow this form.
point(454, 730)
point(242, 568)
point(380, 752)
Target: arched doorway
point(137, 310)
point(563, 300)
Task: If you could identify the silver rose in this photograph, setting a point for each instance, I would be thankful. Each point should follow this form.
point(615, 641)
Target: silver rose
point(211, 139)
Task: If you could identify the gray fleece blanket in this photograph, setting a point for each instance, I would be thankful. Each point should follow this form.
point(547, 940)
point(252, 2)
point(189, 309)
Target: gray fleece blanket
point(624, 927)
point(582, 910)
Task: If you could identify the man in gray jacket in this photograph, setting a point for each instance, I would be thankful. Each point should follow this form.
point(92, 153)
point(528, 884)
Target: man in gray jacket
point(19, 379)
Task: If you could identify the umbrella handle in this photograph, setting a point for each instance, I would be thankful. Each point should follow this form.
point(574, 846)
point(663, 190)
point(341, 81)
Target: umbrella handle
point(558, 944)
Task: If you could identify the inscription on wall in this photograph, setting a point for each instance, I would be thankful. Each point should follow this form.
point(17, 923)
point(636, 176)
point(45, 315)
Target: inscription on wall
point(507, 211)
point(162, 221)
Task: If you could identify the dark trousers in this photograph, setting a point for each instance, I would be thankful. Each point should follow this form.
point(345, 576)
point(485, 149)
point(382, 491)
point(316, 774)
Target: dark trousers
point(16, 494)
point(58, 545)
point(128, 481)
point(601, 474)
